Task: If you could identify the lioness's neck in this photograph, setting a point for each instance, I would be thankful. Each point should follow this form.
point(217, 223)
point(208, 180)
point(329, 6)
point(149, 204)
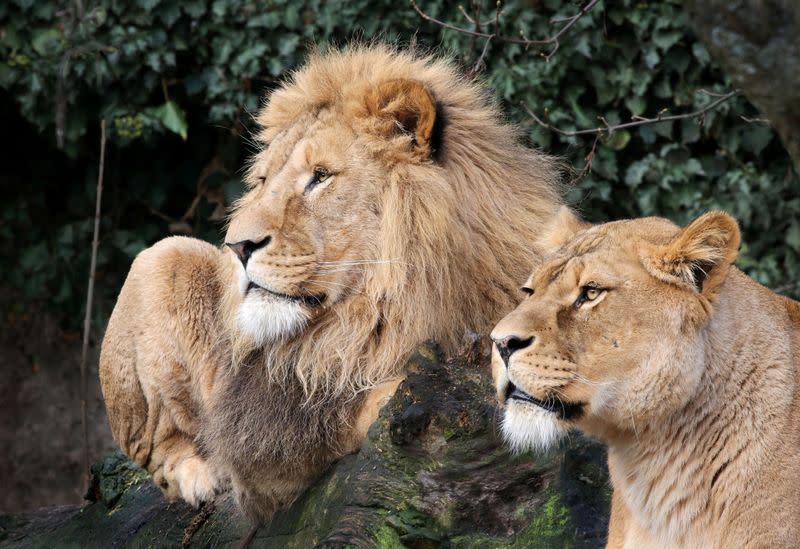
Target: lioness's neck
point(682, 475)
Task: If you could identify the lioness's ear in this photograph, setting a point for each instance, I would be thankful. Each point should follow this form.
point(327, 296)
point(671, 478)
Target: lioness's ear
point(403, 106)
point(564, 225)
point(702, 253)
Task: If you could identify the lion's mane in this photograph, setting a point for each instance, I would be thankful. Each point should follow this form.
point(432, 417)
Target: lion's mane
point(458, 233)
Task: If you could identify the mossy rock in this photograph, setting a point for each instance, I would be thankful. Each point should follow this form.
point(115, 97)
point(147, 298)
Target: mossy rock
point(432, 473)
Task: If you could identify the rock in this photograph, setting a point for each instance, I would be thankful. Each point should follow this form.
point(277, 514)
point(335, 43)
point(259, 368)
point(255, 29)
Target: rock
point(432, 473)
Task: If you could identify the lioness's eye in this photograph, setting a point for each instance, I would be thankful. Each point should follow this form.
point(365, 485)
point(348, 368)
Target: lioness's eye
point(318, 176)
point(261, 179)
point(588, 293)
point(527, 291)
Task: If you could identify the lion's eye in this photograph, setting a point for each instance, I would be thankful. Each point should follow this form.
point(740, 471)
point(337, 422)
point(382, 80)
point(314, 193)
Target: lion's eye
point(318, 176)
point(588, 293)
point(527, 291)
point(261, 179)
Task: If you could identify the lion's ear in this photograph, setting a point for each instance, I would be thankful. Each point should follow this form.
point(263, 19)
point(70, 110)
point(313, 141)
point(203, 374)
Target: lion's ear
point(702, 253)
point(564, 225)
point(403, 106)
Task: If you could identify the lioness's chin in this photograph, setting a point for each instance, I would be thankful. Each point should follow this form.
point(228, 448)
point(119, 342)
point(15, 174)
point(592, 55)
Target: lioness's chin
point(528, 427)
point(266, 319)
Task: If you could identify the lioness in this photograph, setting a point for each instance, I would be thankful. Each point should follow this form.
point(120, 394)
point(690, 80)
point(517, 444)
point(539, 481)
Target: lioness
point(643, 335)
point(375, 219)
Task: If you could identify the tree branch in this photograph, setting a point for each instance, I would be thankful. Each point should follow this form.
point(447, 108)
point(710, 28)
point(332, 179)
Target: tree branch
point(638, 121)
point(494, 36)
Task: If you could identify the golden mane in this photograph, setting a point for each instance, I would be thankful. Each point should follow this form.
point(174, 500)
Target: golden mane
point(458, 233)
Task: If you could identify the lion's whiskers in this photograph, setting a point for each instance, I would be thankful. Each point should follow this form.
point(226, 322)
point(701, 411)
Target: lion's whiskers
point(360, 262)
point(581, 379)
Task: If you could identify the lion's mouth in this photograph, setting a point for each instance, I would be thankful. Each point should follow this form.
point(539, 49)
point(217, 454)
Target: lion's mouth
point(564, 410)
point(312, 300)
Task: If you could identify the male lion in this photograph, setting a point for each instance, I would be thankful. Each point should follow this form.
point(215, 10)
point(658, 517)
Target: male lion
point(376, 217)
point(643, 335)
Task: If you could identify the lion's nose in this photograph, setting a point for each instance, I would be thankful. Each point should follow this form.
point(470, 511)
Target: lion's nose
point(508, 345)
point(245, 248)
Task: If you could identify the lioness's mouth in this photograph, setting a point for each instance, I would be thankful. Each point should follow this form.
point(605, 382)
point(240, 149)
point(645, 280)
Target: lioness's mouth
point(307, 299)
point(564, 410)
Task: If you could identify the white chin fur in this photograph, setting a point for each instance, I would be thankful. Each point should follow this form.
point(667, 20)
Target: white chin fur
point(528, 427)
point(267, 320)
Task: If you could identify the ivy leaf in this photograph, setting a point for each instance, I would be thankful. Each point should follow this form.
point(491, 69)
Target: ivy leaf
point(651, 58)
point(618, 140)
point(636, 172)
point(43, 39)
point(173, 118)
point(755, 138)
point(636, 104)
point(666, 39)
point(701, 53)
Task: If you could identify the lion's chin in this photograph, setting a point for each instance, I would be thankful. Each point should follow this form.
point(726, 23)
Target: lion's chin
point(265, 319)
point(529, 427)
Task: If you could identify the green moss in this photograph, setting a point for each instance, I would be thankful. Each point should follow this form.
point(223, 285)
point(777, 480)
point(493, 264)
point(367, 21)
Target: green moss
point(415, 528)
point(387, 538)
point(553, 518)
point(550, 527)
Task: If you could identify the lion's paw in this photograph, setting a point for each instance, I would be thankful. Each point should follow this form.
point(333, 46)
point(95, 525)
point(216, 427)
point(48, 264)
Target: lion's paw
point(196, 481)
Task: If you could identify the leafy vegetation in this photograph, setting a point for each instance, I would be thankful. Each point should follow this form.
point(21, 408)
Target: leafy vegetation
point(178, 81)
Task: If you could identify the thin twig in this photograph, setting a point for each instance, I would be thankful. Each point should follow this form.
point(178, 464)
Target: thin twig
point(89, 298)
point(494, 36)
point(478, 66)
point(480, 63)
point(786, 288)
point(203, 513)
point(587, 165)
point(638, 120)
point(755, 120)
point(465, 14)
point(710, 93)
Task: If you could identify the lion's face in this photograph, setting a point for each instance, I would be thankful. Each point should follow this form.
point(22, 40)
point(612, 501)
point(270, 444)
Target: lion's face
point(305, 227)
point(610, 334)
point(302, 236)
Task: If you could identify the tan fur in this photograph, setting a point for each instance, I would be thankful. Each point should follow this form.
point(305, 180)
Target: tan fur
point(405, 240)
point(686, 367)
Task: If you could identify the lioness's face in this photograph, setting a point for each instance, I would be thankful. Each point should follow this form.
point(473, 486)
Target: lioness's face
point(301, 236)
point(610, 335)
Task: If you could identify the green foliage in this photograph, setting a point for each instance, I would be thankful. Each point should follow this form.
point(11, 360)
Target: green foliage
point(177, 82)
point(629, 59)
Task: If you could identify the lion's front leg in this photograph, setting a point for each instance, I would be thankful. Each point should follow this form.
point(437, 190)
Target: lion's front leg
point(158, 365)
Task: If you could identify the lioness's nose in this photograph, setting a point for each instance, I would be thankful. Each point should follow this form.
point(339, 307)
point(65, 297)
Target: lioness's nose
point(508, 345)
point(245, 248)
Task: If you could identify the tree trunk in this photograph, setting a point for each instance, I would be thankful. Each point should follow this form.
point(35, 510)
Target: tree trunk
point(757, 42)
point(432, 473)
